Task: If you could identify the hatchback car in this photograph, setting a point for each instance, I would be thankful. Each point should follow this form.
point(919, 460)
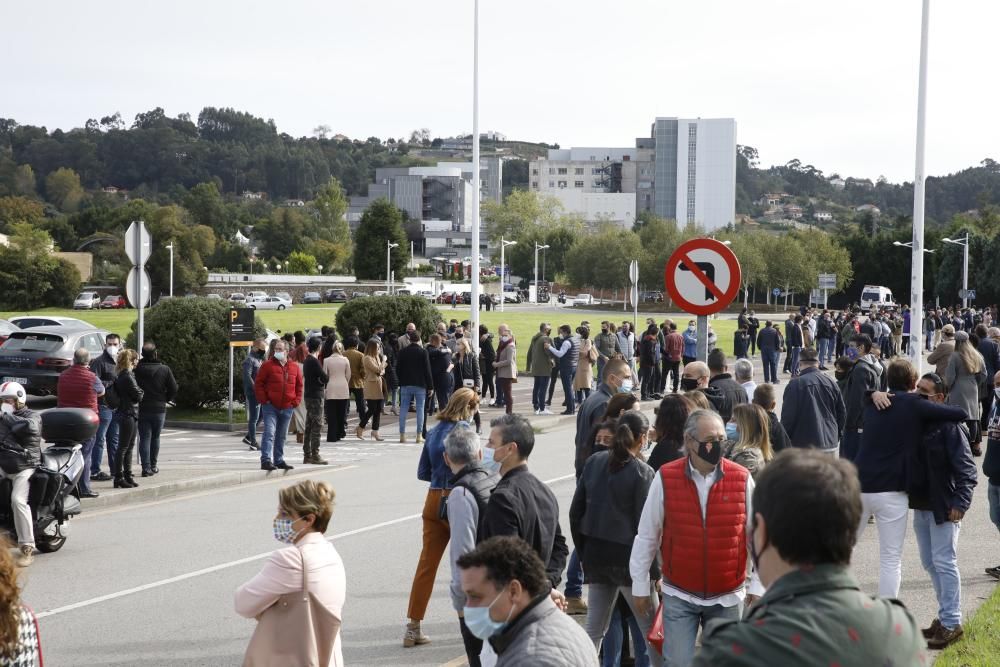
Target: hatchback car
point(312, 297)
point(238, 298)
point(32, 321)
point(35, 357)
point(335, 296)
point(270, 303)
point(6, 329)
point(87, 301)
point(113, 301)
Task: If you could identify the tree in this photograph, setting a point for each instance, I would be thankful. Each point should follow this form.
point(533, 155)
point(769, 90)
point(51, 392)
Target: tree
point(520, 211)
point(393, 312)
point(331, 210)
point(63, 189)
point(205, 205)
point(321, 131)
point(24, 180)
point(19, 209)
point(380, 223)
point(602, 259)
point(301, 263)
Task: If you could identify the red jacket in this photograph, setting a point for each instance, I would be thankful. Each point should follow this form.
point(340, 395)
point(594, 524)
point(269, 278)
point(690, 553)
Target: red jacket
point(673, 346)
point(704, 558)
point(77, 388)
point(277, 384)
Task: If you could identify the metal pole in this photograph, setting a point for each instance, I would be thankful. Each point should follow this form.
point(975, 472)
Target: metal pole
point(473, 337)
point(701, 346)
point(171, 247)
point(503, 275)
point(139, 270)
point(536, 271)
point(917, 254)
point(230, 387)
point(965, 273)
point(388, 263)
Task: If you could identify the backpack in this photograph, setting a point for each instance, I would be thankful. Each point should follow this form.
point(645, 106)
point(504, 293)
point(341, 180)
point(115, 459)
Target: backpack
point(111, 397)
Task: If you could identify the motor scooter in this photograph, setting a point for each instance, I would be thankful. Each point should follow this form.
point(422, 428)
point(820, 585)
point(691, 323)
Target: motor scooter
point(53, 494)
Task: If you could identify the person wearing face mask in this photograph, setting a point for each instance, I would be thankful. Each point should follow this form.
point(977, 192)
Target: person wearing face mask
point(472, 481)
point(690, 337)
point(703, 502)
point(506, 368)
point(812, 408)
point(807, 507)
point(606, 344)
point(508, 604)
point(20, 453)
point(130, 394)
point(250, 367)
point(616, 379)
point(107, 433)
point(864, 378)
point(539, 367)
point(696, 378)
point(566, 351)
point(309, 563)
point(279, 388)
point(604, 518)
point(721, 379)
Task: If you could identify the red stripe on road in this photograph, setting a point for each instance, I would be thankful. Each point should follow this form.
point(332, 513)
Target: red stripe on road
point(700, 275)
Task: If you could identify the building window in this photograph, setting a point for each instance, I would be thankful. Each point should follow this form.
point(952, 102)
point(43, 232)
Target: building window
point(595, 171)
point(578, 184)
point(562, 184)
point(552, 184)
point(552, 170)
point(578, 171)
point(562, 171)
point(534, 185)
point(534, 172)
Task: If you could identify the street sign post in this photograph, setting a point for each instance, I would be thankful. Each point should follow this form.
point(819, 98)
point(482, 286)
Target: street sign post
point(702, 277)
point(133, 285)
point(968, 294)
point(241, 323)
point(138, 246)
point(827, 281)
point(633, 276)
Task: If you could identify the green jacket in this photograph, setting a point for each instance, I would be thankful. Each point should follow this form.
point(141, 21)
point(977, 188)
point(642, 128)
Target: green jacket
point(540, 362)
point(816, 617)
point(607, 344)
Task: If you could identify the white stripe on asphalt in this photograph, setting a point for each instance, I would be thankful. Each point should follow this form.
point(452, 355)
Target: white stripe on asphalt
point(225, 566)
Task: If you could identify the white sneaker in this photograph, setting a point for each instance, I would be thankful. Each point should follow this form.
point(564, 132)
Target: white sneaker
point(546, 411)
point(538, 412)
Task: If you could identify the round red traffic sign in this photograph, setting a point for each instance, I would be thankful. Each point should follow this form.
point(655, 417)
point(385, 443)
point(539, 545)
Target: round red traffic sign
point(702, 276)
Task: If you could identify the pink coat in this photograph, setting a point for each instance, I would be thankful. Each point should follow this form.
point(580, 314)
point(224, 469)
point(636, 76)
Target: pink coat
point(283, 574)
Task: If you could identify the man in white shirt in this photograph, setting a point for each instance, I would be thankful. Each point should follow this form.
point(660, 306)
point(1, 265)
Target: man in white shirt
point(703, 579)
point(743, 374)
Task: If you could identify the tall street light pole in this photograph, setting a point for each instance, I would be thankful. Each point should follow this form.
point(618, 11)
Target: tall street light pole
point(920, 176)
point(537, 248)
point(964, 242)
point(389, 245)
point(476, 187)
point(170, 247)
point(503, 269)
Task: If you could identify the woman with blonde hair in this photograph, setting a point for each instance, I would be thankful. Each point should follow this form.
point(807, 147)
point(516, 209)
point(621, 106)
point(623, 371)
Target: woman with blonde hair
point(583, 380)
point(309, 564)
point(127, 416)
point(467, 372)
point(462, 405)
point(19, 640)
point(964, 375)
point(373, 364)
point(337, 392)
point(752, 446)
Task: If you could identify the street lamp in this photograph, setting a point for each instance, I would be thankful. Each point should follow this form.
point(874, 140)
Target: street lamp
point(319, 268)
point(277, 267)
point(964, 242)
point(170, 247)
point(389, 245)
point(503, 268)
point(537, 248)
point(908, 245)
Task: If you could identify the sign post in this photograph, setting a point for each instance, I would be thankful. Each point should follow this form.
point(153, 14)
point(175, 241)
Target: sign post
point(138, 246)
point(702, 277)
point(633, 276)
point(241, 323)
point(827, 281)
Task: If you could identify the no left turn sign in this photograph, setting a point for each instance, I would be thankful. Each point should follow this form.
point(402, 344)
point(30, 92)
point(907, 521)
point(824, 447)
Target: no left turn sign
point(702, 276)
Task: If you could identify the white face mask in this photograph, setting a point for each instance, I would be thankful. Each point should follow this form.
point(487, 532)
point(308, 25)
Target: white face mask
point(6, 408)
point(996, 392)
point(112, 351)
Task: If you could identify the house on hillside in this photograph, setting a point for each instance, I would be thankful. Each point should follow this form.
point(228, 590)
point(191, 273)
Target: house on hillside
point(823, 216)
point(254, 195)
point(771, 199)
point(294, 203)
point(838, 183)
point(793, 211)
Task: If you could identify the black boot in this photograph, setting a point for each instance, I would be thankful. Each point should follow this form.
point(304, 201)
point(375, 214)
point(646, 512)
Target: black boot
point(120, 483)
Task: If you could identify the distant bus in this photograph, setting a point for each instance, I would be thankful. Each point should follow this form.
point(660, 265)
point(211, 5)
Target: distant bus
point(876, 297)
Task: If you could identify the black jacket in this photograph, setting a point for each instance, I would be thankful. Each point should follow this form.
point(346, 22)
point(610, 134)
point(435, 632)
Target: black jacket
point(522, 505)
point(864, 378)
point(440, 359)
point(20, 440)
point(479, 482)
point(158, 386)
point(735, 394)
point(769, 338)
point(413, 367)
point(664, 452)
point(812, 410)
point(104, 368)
point(587, 416)
point(313, 378)
point(779, 436)
point(129, 393)
point(950, 471)
point(720, 401)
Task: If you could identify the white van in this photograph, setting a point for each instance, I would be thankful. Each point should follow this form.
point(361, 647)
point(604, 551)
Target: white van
point(876, 297)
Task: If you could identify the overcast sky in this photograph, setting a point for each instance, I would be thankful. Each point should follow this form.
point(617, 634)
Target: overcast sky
point(833, 83)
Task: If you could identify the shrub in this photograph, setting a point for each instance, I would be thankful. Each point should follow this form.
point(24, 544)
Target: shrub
point(394, 312)
point(192, 337)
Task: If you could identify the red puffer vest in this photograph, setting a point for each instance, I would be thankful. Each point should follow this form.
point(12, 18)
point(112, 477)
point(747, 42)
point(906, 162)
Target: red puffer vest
point(280, 385)
point(706, 558)
point(75, 388)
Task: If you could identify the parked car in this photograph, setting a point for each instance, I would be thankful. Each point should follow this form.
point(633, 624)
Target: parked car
point(651, 297)
point(35, 357)
point(445, 297)
point(312, 297)
point(32, 321)
point(511, 296)
point(284, 295)
point(256, 296)
point(114, 301)
point(238, 298)
point(87, 301)
point(270, 303)
point(6, 329)
point(335, 296)
point(214, 296)
point(583, 300)
point(358, 295)
point(427, 294)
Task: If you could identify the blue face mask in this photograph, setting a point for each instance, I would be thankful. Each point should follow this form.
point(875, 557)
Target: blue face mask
point(283, 531)
point(731, 432)
point(626, 387)
point(478, 620)
point(851, 353)
point(489, 463)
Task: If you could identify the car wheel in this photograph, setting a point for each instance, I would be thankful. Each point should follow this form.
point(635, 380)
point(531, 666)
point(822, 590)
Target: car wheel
point(281, 307)
point(253, 307)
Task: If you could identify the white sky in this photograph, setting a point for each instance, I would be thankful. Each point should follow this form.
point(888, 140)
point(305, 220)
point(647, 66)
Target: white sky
point(832, 83)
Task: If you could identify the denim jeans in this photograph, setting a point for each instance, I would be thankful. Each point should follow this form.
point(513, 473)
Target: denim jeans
point(824, 350)
point(604, 624)
point(938, 545)
point(253, 415)
point(993, 493)
point(574, 577)
point(614, 639)
point(680, 626)
point(275, 431)
point(890, 509)
point(567, 374)
point(107, 436)
point(150, 426)
point(87, 451)
point(769, 357)
point(538, 392)
point(406, 394)
point(793, 365)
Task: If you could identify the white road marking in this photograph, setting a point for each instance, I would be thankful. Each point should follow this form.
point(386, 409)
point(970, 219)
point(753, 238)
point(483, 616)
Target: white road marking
point(226, 566)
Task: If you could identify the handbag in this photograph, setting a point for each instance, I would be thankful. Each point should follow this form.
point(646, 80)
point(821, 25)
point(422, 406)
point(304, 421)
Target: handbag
point(295, 630)
point(468, 383)
point(655, 635)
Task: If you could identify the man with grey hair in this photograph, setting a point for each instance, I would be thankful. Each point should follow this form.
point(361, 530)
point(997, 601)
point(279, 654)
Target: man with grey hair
point(79, 387)
point(703, 579)
point(812, 408)
point(471, 485)
point(743, 372)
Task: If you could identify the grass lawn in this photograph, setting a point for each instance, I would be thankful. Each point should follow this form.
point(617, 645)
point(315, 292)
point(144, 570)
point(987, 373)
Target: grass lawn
point(212, 415)
point(980, 647)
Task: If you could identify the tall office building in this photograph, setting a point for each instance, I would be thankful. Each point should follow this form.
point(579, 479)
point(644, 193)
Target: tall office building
point(695, 170)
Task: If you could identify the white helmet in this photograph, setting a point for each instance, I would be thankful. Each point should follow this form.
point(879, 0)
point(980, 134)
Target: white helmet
point(13, 390)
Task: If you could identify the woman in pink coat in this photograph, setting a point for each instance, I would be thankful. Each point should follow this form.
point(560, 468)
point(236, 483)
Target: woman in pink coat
point(304, 512)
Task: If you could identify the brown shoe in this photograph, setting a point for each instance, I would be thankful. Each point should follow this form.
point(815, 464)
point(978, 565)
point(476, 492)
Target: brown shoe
point(376, 436)
point(945, 637)
point(27, 555)
point(360, 432)
point(931, 631)
point(576, 607)
point(414, 636)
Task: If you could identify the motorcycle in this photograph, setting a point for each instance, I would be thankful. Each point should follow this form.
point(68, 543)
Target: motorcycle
point(54, 495)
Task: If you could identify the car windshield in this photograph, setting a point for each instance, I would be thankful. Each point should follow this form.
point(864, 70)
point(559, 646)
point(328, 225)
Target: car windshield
point(85, 295)
point(32, 343)
point(870, 296)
